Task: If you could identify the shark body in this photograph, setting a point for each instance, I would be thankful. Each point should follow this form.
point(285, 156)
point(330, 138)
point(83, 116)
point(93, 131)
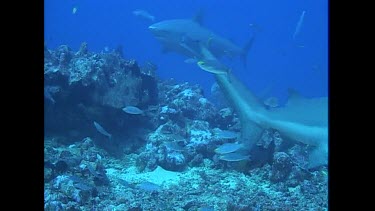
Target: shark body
point(301, 119)
point(185, 36)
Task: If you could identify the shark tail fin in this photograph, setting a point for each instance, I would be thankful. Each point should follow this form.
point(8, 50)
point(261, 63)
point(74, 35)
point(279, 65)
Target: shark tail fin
point(246, 49)
point(318, 157)
point(198, 17)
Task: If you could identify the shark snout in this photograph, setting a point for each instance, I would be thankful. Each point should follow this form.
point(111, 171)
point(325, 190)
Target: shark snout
point(156, 31)
point(152, 28)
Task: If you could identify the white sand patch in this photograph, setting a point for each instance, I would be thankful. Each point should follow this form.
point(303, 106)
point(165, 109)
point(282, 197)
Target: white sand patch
point(159, 176)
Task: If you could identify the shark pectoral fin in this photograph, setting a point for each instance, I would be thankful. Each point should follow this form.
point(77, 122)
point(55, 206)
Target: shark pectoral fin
point(318, 157)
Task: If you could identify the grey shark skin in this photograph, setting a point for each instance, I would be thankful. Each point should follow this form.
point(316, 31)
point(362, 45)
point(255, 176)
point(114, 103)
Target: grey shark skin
point(185, 36)
point(301, 119)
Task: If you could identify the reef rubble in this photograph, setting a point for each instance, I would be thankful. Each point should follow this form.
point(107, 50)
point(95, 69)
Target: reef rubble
point(164, 157)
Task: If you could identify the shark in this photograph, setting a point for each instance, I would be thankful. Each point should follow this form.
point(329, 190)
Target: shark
point(185, 36)
point(301, 119)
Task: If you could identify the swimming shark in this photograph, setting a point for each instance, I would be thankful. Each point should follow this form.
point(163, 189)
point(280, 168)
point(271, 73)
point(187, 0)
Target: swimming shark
point(185, 36)
point(301, 119)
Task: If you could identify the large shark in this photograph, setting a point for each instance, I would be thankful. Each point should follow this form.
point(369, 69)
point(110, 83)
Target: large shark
point(301, 119)
point(185, 36)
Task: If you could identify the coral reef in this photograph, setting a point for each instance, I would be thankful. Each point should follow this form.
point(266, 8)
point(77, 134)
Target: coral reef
point(162, 158)
point(83, 87)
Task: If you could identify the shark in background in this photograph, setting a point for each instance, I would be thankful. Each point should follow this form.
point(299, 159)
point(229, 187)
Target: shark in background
point(300, 119)
point(185, 36)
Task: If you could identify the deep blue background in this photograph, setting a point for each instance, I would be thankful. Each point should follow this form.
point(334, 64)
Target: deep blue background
point(276, 62)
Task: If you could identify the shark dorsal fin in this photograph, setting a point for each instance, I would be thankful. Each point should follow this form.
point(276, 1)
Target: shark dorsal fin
point(294, 96)
point(198, 17)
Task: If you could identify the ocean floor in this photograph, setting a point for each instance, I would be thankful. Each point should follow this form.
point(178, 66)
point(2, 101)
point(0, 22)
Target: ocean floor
point(196, 188)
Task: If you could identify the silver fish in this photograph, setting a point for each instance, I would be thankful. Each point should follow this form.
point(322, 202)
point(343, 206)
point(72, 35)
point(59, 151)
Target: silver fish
point(144, 14)
point(225, 134)
point(299, 25)
point(149, 186)
point(101, 130)
point(49, 91)
point(231, 157)
point(132, 110)
point(228, 148)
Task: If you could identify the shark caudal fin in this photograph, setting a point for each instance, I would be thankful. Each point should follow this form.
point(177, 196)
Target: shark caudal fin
point(318, 157)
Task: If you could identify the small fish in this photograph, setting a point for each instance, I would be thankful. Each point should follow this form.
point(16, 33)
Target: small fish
point(74, 11)
point(132, 110)
point(49, 96)
point(299, 25)
point(231, 157)
point(225, 134)
point(228, 148)
point(213, 66)
point(271, 102)
point(149, 186)
point(49, 90)
point(144, 14)
point(101, 130)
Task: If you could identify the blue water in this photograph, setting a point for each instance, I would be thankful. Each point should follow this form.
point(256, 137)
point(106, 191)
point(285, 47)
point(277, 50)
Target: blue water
point(276, 62)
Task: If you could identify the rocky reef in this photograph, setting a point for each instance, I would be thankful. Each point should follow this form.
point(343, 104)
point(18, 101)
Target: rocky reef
point(83, 87)
point(99, 156)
